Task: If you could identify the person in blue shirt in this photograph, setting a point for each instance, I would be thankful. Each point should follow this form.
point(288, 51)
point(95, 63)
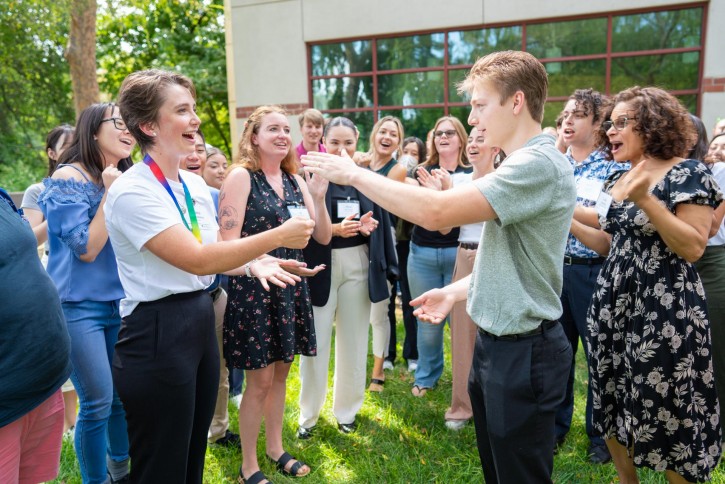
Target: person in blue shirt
point(83, 266)
point(581, 119)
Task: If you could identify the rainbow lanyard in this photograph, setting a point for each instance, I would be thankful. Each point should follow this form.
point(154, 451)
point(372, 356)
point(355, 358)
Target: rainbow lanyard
point(189, 202)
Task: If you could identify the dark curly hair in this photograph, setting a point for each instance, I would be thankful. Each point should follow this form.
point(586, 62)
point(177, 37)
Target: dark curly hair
point(663, 123)
point(591, 102)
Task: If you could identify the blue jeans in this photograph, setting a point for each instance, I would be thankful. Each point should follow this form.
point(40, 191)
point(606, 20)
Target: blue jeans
point(429, 268)
point(101, 426)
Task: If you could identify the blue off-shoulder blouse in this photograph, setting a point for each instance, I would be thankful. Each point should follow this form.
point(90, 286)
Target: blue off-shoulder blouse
point(69, 206)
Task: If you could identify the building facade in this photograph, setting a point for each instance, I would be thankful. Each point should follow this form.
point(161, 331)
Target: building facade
point(368, 58)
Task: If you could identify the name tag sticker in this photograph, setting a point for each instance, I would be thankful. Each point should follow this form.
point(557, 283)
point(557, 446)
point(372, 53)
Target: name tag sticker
point(603, 203)
point(298, 211)
point(589, 189)
point(345, 208)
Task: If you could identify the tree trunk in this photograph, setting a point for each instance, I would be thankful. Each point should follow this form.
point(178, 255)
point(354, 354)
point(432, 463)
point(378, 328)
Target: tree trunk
point(81, 54)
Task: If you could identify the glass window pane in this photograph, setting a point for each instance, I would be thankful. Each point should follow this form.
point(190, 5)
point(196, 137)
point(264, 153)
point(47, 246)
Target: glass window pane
point(467, 46)
point(577, 37)
point(670, 71)
point(344, 58)
point(566, 77)
point(416, 122)
point(689, 101)
point(657, 30)
point(414, 88)
point(461, 112)
point(411, 52)
point(454, 77)
point(340, 93)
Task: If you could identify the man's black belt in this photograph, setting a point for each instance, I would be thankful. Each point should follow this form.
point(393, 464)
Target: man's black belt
point(542, 328)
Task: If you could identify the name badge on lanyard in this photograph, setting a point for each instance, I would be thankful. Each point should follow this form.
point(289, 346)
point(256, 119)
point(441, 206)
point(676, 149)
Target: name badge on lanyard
point(348, 207)
point(297, 210)
point(603, 203)
point(589, 189)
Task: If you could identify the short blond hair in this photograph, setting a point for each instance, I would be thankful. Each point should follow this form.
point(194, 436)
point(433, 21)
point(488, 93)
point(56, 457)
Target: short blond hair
point(511, 71)
point(313, 116)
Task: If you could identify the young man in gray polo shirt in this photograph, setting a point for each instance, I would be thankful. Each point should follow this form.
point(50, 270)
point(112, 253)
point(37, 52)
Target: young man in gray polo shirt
point(522, 357)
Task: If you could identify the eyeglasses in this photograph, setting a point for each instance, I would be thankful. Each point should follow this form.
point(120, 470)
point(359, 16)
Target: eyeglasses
point(619, 124)
point(450, 133)
point(117, 123)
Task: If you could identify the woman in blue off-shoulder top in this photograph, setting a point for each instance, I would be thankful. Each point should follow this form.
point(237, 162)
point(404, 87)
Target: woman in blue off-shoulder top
point(83, 266)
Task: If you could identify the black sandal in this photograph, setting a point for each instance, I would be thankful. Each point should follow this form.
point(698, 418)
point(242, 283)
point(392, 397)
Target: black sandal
point(376, 381)
point(282, 462)
point(255, 478)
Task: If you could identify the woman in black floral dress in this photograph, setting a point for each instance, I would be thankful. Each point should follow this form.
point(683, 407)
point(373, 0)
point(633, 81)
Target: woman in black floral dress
point(649, 339)
point(264, 329)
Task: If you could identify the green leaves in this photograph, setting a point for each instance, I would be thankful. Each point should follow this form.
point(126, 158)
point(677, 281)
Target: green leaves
point(187, 37)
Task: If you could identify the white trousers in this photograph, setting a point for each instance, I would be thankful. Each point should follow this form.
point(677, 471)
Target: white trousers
point(349, 305)
point(381, 326)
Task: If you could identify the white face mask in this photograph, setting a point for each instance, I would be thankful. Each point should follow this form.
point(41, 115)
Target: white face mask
point(408, 162)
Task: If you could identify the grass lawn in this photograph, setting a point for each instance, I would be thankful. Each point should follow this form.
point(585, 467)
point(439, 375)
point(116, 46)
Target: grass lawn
point(400, 439)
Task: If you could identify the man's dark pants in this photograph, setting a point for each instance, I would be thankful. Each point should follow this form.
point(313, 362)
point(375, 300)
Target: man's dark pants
point(515, 388)
point(580, 282)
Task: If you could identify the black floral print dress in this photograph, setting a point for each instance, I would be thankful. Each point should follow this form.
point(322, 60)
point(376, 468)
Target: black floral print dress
point(649, 338)
point(261, 327)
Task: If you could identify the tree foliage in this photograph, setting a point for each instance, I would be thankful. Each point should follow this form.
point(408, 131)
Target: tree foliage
point(187, 37)
point(34, 84)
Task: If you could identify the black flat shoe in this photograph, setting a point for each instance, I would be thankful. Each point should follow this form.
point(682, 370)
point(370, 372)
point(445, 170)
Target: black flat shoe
point(347, 428)
point(599, 454)
point(229, 440)
point(305, 434)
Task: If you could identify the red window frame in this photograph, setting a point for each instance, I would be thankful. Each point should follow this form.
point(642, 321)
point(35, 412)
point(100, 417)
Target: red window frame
point(446, 68)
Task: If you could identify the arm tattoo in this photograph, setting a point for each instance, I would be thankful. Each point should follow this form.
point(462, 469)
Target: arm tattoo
point(228, 218)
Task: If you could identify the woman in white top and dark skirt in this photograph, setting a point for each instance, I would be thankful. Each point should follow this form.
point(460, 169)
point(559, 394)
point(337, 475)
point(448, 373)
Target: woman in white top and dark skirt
point(164, 233)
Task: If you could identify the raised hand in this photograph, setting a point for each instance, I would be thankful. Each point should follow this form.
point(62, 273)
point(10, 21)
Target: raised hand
point(296, 232)
point(337, 169)
point(110, 175)
point(428, 180)
point(637, 182)
point(269, 269)
point(433, 306)
point(368, 224)
point(348, 227)
point(444, 177)
point(317, 185)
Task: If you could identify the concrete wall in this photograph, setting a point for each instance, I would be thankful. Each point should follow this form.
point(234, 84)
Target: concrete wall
point(713, 99)
point(269, 54)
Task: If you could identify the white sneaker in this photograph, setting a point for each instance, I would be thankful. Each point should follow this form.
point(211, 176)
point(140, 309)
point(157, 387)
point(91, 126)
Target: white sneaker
point(412, 365)
point(456, 424)
point(387, 365)
point(236, 400)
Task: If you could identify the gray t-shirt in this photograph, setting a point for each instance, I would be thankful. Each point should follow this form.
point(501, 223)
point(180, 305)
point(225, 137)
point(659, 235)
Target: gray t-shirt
point(31, 195)
point(517, 276)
